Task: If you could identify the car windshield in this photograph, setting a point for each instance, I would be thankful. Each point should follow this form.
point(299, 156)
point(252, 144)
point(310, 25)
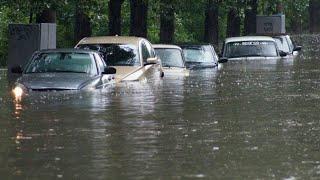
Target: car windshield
point(250, 49)
point(116, 54)
point(170, 57)
point(201, 54)
point(282, 44)
point(57, 62)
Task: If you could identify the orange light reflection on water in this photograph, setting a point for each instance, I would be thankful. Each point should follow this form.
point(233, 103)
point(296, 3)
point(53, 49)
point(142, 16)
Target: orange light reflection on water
point(18, 109)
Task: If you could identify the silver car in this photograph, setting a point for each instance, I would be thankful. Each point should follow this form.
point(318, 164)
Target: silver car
point(251, 48)
point(63, 69)
point(286, 45)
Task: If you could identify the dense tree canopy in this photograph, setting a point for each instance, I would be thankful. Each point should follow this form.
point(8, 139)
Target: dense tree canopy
point(159, 20)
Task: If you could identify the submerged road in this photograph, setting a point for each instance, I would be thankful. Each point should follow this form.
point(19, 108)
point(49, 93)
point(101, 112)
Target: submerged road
point(247, 120)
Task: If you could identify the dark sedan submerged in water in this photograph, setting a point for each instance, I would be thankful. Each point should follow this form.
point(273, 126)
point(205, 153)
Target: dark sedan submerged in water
point(63, 69)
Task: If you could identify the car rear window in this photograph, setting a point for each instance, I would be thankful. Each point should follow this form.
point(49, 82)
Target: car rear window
point(116, 54)
point(170, 57)
point(199, 54)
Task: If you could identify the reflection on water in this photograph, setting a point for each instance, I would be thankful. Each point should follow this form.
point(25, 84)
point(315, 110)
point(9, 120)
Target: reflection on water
point(246, 120)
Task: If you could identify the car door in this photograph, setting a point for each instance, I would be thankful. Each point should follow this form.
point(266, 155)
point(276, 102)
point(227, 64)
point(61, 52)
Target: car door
point(101, 65)
point(148, 52)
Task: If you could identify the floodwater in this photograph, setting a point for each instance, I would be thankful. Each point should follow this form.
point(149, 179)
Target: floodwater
point(247, 120)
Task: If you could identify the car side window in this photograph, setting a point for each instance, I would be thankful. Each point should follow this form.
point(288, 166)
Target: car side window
point(100, 62)
point(150, 49)
point(145, 52)
point(214, 53)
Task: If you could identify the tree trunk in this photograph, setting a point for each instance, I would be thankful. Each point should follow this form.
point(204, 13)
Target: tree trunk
point(250, 22)
point(296, 25)
point(138, 18)
point(314, 12)
point(46, 16)
point(82, 26)
point(115, 17)
point(167, 26)
point(31, 10)
point(30, 16)
point(211, 34)
point(279, 8)
point(233, 24)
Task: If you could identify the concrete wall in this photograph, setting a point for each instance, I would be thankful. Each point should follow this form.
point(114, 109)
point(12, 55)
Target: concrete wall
point(274, 24)
point(25, 39)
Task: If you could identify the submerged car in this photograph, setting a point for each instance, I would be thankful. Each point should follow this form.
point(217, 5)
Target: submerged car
point(286, 45)
point(172, 59)
point(251, 47)
point(133, 57)
point(63, 69)
point(200, 56)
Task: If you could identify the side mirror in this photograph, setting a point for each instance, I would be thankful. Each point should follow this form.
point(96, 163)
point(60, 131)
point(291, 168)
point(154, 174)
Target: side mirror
point(223, 60)
point(16, 70)
point(152, 61)
point(282, 54)
point(297, 48)
point(109, 70)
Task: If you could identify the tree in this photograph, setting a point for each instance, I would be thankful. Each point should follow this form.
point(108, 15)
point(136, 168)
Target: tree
point(314, 6)
point(211, 34)
point(115, 17)
point(250, 17)
point(47, 15)
point(82, 26)
point(233, 24)
point(296, 16)
point(138, 18)
point(167, 21)
point(279, 8)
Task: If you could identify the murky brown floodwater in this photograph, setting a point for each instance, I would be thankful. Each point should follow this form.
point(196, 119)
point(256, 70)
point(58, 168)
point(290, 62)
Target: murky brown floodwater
point(248, 120)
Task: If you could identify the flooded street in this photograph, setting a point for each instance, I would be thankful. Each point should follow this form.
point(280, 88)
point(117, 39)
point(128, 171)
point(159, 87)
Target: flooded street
point(247, 120)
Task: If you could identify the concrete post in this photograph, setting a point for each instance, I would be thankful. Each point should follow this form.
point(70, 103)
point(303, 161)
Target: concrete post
point(25, 39)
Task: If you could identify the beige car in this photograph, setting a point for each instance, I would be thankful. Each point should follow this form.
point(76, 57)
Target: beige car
point(172, 59)
point(133, 57)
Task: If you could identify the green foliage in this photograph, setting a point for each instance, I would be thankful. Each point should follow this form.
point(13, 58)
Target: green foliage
point(190, 21)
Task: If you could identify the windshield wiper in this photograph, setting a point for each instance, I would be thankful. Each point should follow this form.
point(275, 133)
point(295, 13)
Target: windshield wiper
point(55, 72)
point(248, 55)
point(66, 71)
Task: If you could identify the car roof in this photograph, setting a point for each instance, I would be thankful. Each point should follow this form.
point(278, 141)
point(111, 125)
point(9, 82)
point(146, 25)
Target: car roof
point(249, 38)
point(193, 45)
point(111, 40)
point(74, 50)
point(165, 46)
point(281, 36)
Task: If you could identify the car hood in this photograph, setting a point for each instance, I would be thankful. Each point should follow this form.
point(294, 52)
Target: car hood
point(124, 71)
point(55, 81)
point(176, 71)
point(253, 58)
point(199, 65)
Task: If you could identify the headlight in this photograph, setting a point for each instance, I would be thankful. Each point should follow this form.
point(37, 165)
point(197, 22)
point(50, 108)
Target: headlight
point(18, 91)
